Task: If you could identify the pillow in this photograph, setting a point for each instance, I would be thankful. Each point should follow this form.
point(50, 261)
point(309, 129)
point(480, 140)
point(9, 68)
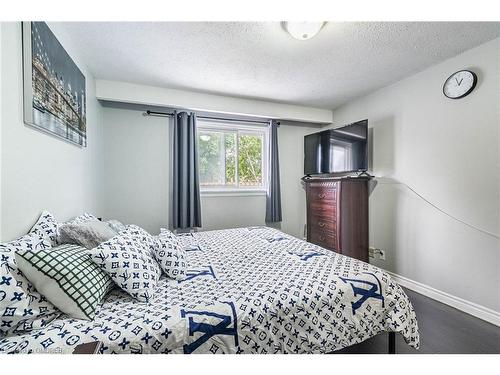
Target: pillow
point(88, 234)
point(82, 219)
point(143, 235)
point(127, 258)
point(22, 307)
point(116, 225)
point(46, 225)
point(170, 255)
point(67, 277)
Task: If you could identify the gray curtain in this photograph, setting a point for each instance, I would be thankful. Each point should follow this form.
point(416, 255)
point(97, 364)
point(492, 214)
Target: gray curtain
point(186, 205)
point(273, 197)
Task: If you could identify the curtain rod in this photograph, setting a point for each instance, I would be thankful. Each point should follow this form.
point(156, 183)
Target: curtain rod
point(167, 114)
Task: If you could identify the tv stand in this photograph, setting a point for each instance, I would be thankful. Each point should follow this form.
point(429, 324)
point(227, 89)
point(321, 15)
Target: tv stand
point(337, 214)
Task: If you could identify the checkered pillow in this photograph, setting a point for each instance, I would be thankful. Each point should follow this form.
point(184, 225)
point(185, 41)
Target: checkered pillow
point(22, 307)
point(127, 258)
point(170, 255)
point(67, 277)
point(46, 225)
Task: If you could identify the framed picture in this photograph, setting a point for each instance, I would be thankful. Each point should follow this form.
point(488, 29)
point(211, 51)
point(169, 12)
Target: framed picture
point(54, 87)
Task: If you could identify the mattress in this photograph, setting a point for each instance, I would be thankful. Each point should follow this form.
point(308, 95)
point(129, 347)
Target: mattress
point(247, 290)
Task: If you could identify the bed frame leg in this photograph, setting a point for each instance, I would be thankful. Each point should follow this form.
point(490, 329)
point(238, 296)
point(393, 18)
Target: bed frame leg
point(392, 342)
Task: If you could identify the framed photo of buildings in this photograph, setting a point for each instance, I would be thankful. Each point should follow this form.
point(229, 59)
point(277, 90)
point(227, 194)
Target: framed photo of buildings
point(54, 87)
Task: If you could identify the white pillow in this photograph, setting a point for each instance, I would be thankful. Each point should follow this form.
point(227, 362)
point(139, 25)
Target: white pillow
point(22, 307)
point(128, 259)
point(46, 225)
point(170, 255)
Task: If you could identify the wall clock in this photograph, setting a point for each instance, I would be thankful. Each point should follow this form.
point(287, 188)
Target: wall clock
point(459, 84)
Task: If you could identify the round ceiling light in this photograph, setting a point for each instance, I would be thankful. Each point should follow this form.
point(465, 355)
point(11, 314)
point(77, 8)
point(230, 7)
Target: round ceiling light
point(303, 30)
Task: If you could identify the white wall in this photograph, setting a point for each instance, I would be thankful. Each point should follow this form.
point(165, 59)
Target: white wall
point(136, 169)
point(449, 152)
point(220, 212)
point(123, 92)
point(293, 195)
point(1, 126)
point(39, 171)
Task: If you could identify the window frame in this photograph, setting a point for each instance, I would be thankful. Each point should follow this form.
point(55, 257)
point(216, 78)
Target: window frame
point(237, 127)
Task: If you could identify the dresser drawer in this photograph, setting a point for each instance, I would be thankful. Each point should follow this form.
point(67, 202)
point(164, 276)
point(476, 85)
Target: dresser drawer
point(337, 214)
point(320, 222)
point(322, 237)
point(320, 193)
point(323, 209)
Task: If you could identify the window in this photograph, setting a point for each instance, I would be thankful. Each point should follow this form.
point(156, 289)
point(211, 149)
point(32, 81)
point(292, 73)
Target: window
point(231, 156)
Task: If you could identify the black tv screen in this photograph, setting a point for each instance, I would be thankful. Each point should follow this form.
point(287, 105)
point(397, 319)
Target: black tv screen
point(339, 150)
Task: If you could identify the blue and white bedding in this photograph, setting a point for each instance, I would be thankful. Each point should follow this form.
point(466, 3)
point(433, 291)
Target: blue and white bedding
point(247, 290)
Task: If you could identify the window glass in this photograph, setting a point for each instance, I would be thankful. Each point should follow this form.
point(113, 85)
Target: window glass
point(231, 156)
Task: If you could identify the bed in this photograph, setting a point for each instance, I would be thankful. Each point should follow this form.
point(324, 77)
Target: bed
point(247, 290)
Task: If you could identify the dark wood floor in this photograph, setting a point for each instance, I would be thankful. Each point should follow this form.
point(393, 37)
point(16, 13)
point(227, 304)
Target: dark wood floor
point(443, 330)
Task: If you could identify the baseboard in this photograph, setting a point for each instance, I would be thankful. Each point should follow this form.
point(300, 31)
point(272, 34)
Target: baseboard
point(468, 307)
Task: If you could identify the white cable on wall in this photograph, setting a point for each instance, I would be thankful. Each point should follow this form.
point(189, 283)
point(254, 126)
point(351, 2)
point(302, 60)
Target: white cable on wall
point(440, 209)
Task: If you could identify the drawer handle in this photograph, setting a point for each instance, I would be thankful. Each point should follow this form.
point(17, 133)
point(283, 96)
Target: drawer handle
point(322, 225)
point(321, 238)
point(321, 196)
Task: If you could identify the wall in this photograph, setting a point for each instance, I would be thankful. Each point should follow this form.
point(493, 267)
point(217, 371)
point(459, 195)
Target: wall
point(136, 169)
point(1, 126)
point(39, 171)
point(123, 92)
point(449, 152)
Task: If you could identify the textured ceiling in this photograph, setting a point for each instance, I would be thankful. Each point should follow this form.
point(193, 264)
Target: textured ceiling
point(260, 60)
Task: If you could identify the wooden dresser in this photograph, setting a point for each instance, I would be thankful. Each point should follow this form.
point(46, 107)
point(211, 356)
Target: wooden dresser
point(337, 214)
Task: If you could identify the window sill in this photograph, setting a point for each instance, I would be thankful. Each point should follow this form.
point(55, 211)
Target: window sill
point(232, 193)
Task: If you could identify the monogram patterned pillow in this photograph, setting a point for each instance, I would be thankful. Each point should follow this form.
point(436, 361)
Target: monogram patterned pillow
point(170, 255)
point(46, 225)
point(127, 258)
point(144, 236)
point(22, 307)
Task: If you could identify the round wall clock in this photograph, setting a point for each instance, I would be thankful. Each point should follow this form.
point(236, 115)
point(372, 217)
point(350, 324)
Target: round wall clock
point(459, 84)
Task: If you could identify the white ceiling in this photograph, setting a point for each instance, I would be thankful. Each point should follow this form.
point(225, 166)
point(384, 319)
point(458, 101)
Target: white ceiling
point(260, 60)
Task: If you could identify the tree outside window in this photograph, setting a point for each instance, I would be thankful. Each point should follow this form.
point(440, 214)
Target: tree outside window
point(231, 156)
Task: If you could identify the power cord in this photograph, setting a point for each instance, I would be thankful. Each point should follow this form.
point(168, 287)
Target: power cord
point(439, 209)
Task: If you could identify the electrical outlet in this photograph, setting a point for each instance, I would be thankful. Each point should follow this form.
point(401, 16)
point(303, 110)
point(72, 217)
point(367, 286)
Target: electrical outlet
point(375, 253)
point(381, 254)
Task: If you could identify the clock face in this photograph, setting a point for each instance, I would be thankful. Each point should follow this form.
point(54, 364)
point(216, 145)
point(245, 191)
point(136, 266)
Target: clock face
point(459, 84)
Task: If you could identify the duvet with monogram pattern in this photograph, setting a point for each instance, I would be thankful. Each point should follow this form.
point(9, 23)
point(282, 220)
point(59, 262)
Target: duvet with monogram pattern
point(246, 290)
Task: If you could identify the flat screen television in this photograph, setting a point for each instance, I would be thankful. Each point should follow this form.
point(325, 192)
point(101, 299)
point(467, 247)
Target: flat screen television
point(339, 150)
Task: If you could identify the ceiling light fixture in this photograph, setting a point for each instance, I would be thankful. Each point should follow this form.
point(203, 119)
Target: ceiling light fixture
point(303, 30)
